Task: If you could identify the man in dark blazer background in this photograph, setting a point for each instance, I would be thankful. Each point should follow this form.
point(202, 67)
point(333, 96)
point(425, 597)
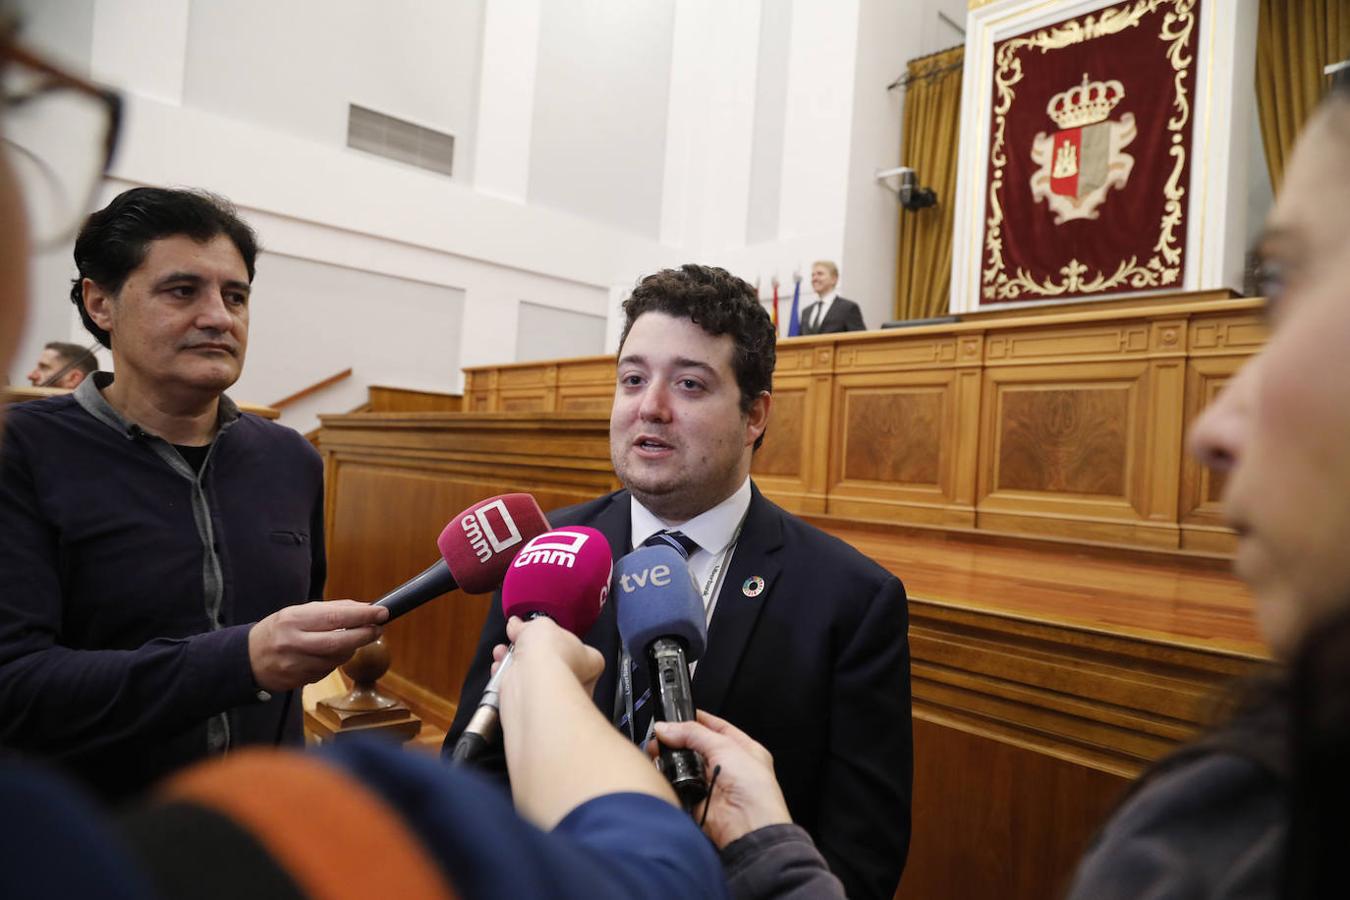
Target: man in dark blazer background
point(807, 642)
point(831, 313)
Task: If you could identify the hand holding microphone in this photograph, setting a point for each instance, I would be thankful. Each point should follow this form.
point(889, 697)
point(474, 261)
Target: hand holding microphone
point(563, 575)
point(300, 644)
point(662, 624)
point(542, 637)
point(747, 796)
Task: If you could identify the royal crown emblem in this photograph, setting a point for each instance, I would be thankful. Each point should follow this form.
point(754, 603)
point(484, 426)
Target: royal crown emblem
point(1078, 165)
point(1085, 104)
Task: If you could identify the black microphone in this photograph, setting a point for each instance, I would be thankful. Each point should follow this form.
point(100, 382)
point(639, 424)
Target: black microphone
point(662, 621)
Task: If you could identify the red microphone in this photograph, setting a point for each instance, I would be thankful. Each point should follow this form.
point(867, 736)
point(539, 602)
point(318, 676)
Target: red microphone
point(476, 548)
point(562, 574)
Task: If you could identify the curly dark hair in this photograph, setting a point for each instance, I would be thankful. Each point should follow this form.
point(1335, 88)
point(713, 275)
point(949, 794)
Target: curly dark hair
point(719, 303)
point(114, 240)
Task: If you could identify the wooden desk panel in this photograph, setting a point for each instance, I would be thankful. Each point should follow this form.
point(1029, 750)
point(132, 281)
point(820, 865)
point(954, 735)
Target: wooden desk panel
point(394, 480)
point(1064, 423)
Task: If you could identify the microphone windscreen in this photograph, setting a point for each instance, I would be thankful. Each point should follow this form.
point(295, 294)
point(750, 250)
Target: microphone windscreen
point(479, 543)
point(657, 598)
point(563, 574)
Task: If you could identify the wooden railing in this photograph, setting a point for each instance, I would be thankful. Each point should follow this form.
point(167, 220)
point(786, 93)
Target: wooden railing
point(386, 398)
point(312, 389)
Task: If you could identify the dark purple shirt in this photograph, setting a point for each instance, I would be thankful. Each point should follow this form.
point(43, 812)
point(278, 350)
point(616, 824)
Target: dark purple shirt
point(128, 584)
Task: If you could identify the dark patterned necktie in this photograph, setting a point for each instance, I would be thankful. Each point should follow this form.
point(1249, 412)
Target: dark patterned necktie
point(683, 543)
point(642, 695)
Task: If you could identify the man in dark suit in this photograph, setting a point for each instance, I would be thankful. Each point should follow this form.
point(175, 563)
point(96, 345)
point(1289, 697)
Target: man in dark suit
point(807, 642)
point(831, 313)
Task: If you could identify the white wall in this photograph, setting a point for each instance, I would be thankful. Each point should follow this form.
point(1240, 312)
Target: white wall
point(546, 332)
point(601, 85)
point(770, 118)
point(295, 67)
point(597, 141)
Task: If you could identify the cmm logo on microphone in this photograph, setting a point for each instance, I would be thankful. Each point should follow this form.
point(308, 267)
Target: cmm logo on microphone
point(559, 548)
point(485, 532)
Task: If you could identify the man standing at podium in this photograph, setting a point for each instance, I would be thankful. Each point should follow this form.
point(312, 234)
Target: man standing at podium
point(830, 314)
point(807, 640)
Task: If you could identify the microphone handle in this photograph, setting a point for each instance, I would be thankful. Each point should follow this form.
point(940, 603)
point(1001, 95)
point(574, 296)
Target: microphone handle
point(484, 722)
point(435, 580)
point(674, 696)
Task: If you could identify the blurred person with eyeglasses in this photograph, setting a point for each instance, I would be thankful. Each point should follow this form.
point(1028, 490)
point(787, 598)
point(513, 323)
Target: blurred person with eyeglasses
point(1257, 807)
point(159, 546)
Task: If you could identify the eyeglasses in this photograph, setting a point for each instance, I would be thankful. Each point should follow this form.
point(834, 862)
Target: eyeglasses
point(59, 133)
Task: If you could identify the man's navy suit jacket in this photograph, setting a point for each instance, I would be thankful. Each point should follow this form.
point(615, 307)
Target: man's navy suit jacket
point(843, 315)
point(816, 668)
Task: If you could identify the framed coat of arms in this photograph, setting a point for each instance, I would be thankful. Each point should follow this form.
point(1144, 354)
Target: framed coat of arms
point(1087, 132)
point(1090, 154)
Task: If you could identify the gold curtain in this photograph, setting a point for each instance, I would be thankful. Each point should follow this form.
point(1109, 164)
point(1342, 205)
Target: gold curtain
point(1296, 40)
point(930, 138)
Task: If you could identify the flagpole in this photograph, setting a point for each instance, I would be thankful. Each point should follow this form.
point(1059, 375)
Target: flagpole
point(775, 304)
point(794, 320)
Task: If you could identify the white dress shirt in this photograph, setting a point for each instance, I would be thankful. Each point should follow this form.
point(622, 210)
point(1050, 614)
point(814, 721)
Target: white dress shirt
point(714, 530)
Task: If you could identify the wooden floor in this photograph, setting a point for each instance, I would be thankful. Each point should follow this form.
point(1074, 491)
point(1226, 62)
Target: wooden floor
point(1192, 602)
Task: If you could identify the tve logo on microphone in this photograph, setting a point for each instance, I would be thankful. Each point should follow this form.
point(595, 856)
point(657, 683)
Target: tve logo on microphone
point(658, 575)
point(559, 548)
point(482, 530)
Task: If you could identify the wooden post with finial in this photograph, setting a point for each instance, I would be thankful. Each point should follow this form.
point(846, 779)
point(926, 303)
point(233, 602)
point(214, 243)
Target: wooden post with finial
point(364, 709)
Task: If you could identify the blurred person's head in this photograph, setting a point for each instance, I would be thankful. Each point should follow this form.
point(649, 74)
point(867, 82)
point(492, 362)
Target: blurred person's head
point(62, 365)
point(1281, 428)
point(164, 282)
point(824, 276)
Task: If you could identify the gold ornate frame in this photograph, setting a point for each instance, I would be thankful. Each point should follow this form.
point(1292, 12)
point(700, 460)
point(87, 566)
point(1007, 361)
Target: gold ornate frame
point(1163, 268)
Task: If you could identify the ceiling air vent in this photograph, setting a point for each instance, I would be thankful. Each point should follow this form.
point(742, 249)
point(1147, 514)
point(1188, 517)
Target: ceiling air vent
point(398, 139)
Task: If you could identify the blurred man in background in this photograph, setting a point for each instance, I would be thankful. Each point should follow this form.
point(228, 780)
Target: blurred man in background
point(62, 365)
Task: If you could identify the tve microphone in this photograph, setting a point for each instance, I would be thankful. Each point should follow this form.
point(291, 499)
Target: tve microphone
point(661, 621)
point(476, 547)
point(562, 574)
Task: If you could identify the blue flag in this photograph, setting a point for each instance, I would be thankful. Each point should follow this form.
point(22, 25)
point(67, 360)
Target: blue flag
point(794, 321)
